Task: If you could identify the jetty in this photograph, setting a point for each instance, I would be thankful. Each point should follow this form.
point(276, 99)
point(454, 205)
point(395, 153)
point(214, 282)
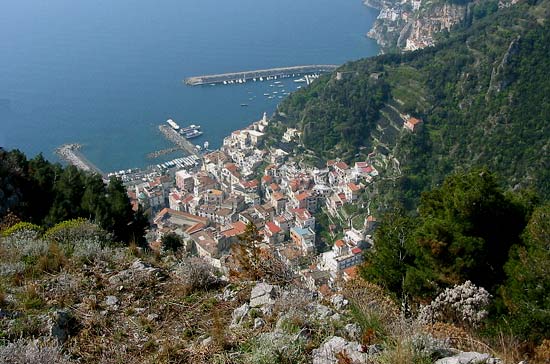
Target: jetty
point(260, 75)
point(159, 153)
point(71, 154)
point(178, 139)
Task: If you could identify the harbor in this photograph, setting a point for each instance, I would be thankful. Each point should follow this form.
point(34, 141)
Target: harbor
point(259, 75)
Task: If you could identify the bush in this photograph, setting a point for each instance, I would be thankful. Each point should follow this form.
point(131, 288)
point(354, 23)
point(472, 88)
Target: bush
point(277, 348)
point(461, 304)
point(27, 352)
point(71, 232)
point(373, 310)
point(195, 274)
point(23, 229)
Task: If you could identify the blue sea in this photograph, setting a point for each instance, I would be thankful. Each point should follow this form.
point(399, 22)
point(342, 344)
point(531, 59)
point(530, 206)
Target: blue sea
point(106, 73)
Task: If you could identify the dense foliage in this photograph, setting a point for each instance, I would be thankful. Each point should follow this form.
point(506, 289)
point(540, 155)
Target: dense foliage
point(46, 194)
point(469, 230)
point(482, 94)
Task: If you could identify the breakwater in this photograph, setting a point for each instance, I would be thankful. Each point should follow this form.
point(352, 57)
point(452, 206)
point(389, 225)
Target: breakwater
point(71, 154)
point(259, 75)
point(177, 139)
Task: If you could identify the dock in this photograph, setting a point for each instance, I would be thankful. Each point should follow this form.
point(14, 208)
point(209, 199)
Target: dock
point(71, 154)
point(243, 76)
point(178, 139)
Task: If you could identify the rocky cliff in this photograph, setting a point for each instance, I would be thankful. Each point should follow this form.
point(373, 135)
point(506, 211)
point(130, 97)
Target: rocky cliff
point(413, 24)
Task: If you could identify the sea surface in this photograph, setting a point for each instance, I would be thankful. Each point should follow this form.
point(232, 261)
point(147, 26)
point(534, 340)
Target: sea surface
point(106, 73)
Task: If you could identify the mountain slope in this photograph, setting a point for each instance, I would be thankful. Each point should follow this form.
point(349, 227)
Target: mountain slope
point(482, 95)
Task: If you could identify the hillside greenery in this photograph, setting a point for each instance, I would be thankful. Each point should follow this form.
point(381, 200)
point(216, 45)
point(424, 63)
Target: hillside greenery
point(482, 94)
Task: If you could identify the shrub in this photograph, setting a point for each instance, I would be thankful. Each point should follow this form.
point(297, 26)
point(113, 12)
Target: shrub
point(72, 232)
point(52, 261)
point(26, 352)
point(372, 309)
point(195, 274)
point(24, 245)
point(23, 230)
point(462, 304)
point(172, 242)
point(277, 348)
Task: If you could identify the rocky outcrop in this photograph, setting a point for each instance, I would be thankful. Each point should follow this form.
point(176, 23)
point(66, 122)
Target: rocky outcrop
point(412, 24)
point(469, 358)
point(336, 348)
point(263, 294)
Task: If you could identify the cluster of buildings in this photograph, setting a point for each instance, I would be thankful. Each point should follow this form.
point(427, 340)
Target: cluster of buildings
point(244, 182)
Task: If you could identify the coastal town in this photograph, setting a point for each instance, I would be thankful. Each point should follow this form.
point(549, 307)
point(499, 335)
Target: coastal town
point(210, 204)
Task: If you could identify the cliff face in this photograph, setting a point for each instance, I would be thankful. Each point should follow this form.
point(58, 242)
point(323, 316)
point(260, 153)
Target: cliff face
point(412, 24)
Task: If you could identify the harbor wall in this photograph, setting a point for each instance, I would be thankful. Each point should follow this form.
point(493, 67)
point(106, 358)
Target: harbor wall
point(257, 74)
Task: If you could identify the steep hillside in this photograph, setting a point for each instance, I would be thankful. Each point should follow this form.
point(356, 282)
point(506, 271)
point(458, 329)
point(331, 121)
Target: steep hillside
point(482, 95)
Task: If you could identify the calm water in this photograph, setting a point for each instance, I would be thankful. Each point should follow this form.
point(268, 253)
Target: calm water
point(105, 73)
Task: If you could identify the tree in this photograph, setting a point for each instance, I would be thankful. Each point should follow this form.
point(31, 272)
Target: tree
point(467, 228)
point(172, 242)
point(387, 264)
point(526, 290)
point(254, 263)
point(247, 253)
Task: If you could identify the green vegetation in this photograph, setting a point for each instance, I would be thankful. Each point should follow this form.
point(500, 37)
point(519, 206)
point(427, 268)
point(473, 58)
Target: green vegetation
point(469, 230)
point(481, 93)
point(46, 194)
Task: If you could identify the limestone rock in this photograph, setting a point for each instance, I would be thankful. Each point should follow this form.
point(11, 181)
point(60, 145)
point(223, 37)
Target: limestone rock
point(334, 347)
point(353, 331)
point(469, 357)
point(111, 300)
point(258, 323)
point(263, 294)
point(320, 311)
point(339, 301)
point(239, 314)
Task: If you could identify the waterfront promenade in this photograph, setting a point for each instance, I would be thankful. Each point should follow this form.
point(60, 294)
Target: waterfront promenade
point(260, 75)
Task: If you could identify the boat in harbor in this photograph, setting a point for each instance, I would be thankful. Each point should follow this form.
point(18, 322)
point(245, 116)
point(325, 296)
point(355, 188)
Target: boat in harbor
point(173, 124)
point(190, 128)
point(193, 134)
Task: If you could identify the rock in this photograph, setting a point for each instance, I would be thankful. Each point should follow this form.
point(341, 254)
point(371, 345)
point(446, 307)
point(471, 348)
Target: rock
point(59, 325)
point(336, 347)
point(137, 272)
point(267, 310)
point(139, 265)
point(258, 323)
point(111, 300)
point(228, 294)
point(339, 301)
point(374, 349)
point(263, 294)
point(152, 317)
point(206, 342)
point(353, 331)
point(238, 314)
point(469, 357)
point(320, 311)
